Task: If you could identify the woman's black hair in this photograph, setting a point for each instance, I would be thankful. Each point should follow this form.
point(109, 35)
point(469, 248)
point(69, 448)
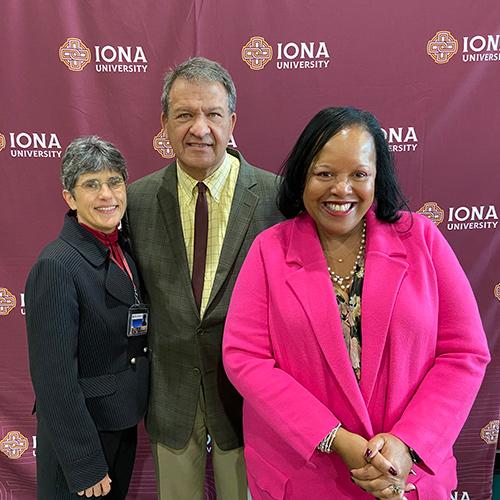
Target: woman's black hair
point(389, 199)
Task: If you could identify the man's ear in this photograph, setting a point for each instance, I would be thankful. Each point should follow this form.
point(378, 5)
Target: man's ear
point(164, 121)
point(233, 122)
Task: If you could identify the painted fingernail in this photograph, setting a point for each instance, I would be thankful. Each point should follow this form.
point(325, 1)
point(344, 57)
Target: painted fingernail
point(368, 453)
point(412, 486)
point(393, 471)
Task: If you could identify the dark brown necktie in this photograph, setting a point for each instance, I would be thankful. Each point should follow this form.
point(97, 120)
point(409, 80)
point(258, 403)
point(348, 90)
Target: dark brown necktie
point(200, 243)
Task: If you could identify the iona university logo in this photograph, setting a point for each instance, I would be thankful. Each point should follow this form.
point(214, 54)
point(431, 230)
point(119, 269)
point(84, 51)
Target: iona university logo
point(7, 301)
point(432, 211)
point(289, 54)
point(442, 47)
point(162, 145)
point(256, 53)
point(74, 54)
point(13, 445)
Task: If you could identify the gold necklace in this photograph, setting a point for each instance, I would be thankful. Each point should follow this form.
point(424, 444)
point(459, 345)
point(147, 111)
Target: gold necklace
point(345, 281)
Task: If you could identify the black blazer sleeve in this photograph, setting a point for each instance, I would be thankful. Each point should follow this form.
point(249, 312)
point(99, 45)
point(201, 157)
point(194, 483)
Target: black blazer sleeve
point(52, 318)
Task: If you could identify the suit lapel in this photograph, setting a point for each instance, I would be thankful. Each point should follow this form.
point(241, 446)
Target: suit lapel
point(242, 210)
point(314, 290)
point(385, 269)
point(169, 205)
point(118, 284)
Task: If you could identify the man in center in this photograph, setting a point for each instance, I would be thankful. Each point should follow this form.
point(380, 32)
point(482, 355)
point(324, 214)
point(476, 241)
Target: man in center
point(192, 224)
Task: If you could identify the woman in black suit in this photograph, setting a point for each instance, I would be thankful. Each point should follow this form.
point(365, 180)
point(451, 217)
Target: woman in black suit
point(86, 335)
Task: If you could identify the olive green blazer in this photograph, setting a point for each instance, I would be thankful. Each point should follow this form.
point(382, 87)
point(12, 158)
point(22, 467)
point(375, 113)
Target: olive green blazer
point(186, 351)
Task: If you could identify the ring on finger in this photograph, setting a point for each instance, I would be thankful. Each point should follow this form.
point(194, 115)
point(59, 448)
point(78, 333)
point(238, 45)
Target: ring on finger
point(397, 490)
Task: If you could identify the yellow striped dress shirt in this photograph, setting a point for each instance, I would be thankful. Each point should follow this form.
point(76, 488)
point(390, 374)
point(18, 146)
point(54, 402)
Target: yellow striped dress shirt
point(220, 191)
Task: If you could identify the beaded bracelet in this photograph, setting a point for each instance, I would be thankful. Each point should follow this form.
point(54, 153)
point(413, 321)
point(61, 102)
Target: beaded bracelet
point(326, 444)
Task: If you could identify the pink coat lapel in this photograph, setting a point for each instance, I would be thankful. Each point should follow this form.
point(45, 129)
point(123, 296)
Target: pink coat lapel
point(313, 289)
point(385, 269)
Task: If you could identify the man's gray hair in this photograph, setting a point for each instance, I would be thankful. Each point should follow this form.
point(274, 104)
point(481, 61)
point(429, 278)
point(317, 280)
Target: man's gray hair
point(89, 155)
point(199, 69)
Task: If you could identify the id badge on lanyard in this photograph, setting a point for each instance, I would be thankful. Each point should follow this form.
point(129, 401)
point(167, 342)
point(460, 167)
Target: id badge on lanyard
point(138, 313)
point(138, 319)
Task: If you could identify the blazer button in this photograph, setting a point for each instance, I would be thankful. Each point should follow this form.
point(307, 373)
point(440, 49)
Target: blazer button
point(200, 331)
point(132, 361)
point(145, 349)
point(196, 371)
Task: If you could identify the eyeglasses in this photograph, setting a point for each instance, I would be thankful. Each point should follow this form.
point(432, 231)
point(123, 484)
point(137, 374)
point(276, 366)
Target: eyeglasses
point(95, 185)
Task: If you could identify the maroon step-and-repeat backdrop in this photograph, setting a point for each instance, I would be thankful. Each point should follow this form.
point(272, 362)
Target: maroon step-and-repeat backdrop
point(430, 71)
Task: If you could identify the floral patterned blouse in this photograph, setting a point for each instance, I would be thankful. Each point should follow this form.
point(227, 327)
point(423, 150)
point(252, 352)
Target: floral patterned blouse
point(349, 304)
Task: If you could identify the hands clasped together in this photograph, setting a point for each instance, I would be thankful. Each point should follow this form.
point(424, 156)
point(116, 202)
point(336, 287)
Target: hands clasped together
point(380, 466)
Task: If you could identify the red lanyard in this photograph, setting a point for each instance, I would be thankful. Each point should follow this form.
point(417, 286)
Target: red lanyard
point(126, 268)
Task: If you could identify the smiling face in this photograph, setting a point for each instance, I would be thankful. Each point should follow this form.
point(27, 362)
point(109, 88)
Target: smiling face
point(103, 209)
point(199, 125)
point(340, 183)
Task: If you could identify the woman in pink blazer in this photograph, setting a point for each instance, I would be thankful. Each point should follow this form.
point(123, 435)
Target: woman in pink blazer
point(353, 334)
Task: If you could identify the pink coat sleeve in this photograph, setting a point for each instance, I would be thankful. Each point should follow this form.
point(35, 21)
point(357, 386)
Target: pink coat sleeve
point(437, 411)
point(295, 414)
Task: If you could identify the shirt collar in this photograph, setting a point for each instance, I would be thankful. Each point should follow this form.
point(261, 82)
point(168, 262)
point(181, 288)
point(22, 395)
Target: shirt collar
point(214, 182)
point(107, 239)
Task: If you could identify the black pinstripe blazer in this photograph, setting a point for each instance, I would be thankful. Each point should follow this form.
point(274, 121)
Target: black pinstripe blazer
point(186, 351)
point(77, 303)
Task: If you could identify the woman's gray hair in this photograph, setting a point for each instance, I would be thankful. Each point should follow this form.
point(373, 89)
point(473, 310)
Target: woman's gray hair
point(89, 155)
point(199, 69)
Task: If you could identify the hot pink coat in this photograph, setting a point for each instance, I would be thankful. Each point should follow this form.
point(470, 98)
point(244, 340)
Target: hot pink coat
point(424, 354)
